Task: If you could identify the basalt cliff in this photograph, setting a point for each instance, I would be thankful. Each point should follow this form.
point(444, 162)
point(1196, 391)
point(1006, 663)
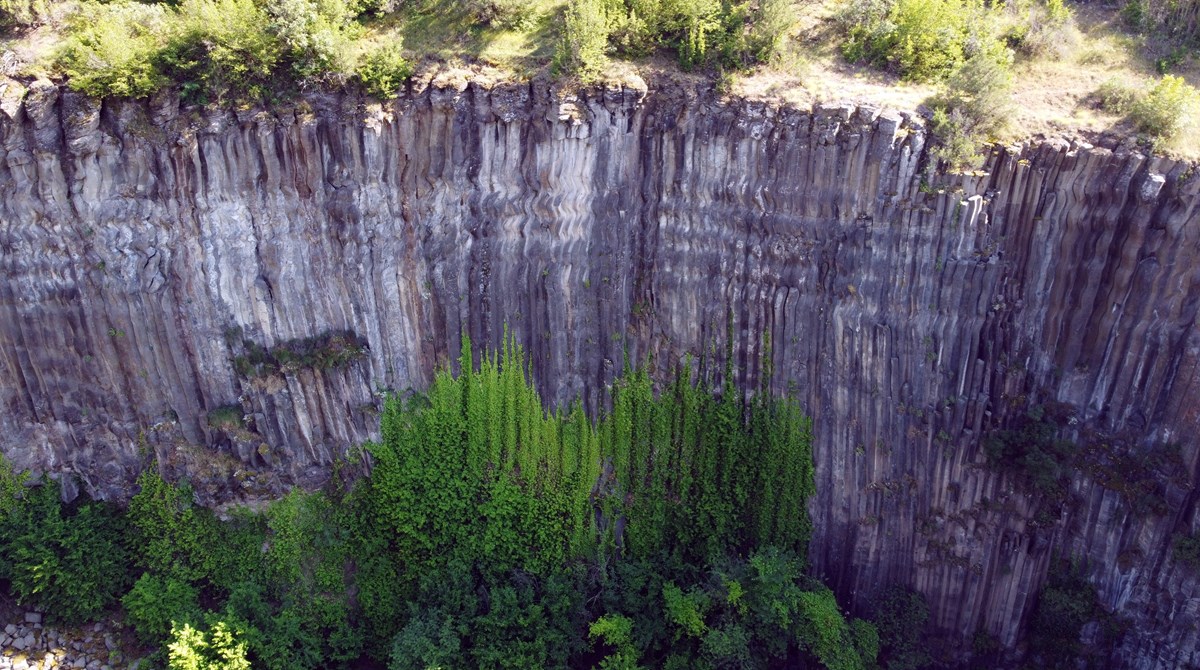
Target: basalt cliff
point(234, 292)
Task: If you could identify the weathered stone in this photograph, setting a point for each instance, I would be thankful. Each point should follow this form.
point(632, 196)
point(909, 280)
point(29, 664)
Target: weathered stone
point(911, 311)
point(33, 617)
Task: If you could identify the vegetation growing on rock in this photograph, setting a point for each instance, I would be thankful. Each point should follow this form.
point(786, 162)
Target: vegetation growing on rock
point(669, 533)
point(243, 52)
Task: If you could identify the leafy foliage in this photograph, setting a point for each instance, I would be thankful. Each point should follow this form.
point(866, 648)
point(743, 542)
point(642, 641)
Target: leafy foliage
point(326, 351)
point(21, 13)
point(69, 560)
point(216, 648)
point(1163, 112)
point(156, 604)
point(1065, 605)
point(733, 35)
point(111, 49)
point(1167, 109)
point(383, 71)
point(585, 39)
point(754, 612)
point(973, 107)
point(921, 40)
point(490, 533)
point(901, 616)
point(615, 631)
point(1033, 451)
point(315, 35)
point(1185, 547)
point(214, 50)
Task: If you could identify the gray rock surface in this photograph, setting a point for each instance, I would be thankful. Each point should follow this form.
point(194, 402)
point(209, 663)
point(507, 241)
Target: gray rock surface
point(28, 646)
point(912, 311)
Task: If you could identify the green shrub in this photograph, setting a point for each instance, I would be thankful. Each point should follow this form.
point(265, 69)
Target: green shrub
point(825, 632)
point(110, 49)
point(430, 640)
point(382, 71)
point(314, 34)
point(1185, 547)
point(637, 27)
point(1064, 606)
point(156, 605)
point(616, 632)
point(1135, 14)
point(1116, 97)
point(584, 41)
point(1167, 110)
point(901, 616)
point(177, 538)
point(699, 22)
point(222, 50)
point(21, 13)
point(921, 40)
point(502, 13)
point(973, 107)
point(1164, 112)
point(332, 349)
point(1042, 29)
point(70, 561)
point(731, 35)
point(226, 417)
point(12, 488)
point(1032, 451)
point(216, 648)
point(769, 26)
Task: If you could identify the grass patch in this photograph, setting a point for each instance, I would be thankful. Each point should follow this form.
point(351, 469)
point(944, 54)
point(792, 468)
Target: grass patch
point(450, 31)
point(329, 350)
point(226, 417)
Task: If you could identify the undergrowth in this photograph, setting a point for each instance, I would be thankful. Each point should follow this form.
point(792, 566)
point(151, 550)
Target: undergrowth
point(669, 532)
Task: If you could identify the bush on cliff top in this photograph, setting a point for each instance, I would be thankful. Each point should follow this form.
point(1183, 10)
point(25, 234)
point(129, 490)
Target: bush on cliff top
point(1162, 112)
point(1166, 110)
point(921, 40)
point(972, 108)
point(111, 49)
point(728, 35)
point(216, 50)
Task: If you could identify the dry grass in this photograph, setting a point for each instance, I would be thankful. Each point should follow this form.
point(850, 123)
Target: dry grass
point(1053, 95)
point(427, 31)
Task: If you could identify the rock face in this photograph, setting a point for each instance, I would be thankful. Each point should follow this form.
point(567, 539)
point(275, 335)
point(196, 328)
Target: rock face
point(150, 253)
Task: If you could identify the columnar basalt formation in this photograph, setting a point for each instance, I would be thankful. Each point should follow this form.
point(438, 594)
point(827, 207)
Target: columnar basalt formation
point(152, 254)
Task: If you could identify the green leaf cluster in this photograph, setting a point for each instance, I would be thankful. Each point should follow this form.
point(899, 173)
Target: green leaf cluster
point(724, 33)
point(69, 561)
point(239, 51)
point(922, 40)
point(490, 533)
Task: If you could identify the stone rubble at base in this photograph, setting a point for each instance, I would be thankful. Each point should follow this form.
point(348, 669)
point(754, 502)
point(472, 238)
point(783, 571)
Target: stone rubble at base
point(28, 644)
